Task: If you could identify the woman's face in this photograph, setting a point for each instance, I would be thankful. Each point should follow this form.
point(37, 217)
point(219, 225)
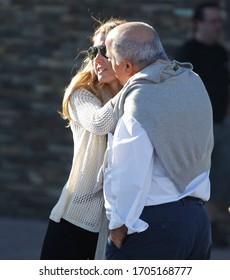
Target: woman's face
point(102, 66)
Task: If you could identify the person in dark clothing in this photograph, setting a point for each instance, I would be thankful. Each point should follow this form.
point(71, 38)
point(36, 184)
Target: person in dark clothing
point(210, 61)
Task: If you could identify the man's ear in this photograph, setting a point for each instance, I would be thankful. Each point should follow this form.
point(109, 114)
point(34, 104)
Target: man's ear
point(128, 67)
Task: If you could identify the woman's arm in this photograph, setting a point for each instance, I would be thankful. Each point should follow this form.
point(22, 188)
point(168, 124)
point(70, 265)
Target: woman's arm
point(86, 109)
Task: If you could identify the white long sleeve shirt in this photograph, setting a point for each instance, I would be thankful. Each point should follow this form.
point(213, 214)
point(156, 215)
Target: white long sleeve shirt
point(135, 178)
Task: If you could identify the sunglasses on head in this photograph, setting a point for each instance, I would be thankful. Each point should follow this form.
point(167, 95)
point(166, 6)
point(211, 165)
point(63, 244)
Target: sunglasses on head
point(93, 51)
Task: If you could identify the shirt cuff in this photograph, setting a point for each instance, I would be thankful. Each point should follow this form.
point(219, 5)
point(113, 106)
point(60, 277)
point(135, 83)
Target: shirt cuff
point(116, 222)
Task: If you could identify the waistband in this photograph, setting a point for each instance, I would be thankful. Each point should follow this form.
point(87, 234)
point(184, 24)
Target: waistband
point(185, 200)
point(192, 199)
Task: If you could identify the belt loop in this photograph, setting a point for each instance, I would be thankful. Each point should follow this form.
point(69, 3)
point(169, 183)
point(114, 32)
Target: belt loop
point(183, 202)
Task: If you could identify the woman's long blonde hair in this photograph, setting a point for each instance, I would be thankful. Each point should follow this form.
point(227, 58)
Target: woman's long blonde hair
point(85, 76)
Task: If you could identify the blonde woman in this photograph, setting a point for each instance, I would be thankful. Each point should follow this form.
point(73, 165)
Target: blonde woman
point(76, 219)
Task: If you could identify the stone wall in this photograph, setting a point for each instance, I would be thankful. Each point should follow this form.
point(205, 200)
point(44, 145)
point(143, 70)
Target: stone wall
point(39, 43)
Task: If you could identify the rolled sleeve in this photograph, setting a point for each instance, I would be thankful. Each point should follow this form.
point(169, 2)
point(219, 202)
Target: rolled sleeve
point(128, 175)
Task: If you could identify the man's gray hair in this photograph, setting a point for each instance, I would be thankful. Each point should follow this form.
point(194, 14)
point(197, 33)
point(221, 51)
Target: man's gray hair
point(138, 52)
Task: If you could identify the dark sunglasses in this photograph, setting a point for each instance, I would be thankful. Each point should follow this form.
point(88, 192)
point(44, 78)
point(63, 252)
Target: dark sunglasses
point(93, 51)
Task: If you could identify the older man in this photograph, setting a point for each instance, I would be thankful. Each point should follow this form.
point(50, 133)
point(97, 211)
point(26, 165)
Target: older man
point(157, 177)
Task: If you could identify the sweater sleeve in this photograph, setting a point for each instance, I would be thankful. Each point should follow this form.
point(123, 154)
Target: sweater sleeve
point(87, 111)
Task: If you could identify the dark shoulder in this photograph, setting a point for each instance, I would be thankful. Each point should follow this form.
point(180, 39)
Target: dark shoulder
point(221, 49)
point(185, 51)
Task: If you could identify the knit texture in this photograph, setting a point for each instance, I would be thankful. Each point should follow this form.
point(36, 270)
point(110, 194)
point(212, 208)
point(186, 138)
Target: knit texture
point(91, 122)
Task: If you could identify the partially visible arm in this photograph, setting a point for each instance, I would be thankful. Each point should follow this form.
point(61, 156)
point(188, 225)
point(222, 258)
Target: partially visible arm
point(86, 110)
point(130, 179)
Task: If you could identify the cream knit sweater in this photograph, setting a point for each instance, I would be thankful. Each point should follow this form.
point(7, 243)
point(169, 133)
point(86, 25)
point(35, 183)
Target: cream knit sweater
point(91, 122)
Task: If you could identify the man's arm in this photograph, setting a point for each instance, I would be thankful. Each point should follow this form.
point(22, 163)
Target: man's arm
point(130, 179)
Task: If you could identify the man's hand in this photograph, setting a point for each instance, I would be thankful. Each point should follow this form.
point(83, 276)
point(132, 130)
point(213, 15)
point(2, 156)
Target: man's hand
point(118, 235)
